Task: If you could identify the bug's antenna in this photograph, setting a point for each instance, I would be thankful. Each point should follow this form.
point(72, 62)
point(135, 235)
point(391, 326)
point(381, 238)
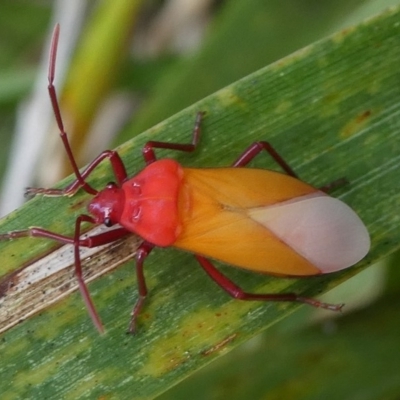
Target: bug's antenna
point(57, 112)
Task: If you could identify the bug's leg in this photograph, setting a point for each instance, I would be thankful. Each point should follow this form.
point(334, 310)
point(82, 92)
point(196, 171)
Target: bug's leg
point(256, 148)
point(141, 254)
point(79, 277)
point(115, 160)
point(333, 185)
point(91, 241)
point(116, 164)
point(148, 149)
point(236, 292)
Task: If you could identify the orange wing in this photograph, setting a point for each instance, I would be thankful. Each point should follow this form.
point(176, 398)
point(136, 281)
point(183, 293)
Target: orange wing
point(216, 208)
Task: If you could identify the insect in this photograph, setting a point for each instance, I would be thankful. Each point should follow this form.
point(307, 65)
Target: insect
point(259, 220)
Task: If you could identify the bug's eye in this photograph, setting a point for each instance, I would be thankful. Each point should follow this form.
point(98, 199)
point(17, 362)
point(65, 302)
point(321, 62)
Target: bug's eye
point(108, 222)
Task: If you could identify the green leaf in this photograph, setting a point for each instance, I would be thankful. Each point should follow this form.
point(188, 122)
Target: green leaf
point(331, 110)
point(245, 37)
point(340, 360)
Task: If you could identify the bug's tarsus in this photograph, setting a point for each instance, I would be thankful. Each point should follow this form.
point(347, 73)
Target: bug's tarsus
point(319, 304)
point(334, 185)
point(141, 254)
point(148, 149)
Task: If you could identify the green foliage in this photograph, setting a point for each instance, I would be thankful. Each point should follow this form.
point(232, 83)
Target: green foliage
point(331, 110)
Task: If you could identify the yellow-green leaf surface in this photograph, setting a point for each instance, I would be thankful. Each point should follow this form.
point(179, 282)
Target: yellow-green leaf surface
point(347, 360)
point(331, 110)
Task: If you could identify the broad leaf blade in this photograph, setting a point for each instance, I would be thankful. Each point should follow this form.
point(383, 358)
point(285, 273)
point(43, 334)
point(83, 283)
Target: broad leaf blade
point(331, 110)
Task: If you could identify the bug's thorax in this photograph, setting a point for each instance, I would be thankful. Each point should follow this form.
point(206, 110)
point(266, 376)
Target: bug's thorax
point(151, 202)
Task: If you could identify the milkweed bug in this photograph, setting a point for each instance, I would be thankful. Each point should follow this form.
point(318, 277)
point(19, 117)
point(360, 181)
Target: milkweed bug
point(259, 220)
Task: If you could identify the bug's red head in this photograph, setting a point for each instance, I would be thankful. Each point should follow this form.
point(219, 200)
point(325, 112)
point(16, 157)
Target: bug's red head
point(106, 207)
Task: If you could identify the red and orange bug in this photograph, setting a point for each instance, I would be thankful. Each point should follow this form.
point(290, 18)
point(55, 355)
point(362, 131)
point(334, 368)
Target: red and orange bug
point(260, 220)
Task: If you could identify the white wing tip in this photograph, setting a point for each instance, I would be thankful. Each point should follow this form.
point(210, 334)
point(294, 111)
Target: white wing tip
point(324, 230)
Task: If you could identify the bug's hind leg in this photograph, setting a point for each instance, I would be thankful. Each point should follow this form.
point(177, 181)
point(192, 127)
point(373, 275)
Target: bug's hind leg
point(257, 147)
point(236, 292)
point(333, 185)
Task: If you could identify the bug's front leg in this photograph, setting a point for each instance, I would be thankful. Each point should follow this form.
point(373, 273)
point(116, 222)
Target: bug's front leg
point(116, 164)
point(78, 242)
point(141, 254)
